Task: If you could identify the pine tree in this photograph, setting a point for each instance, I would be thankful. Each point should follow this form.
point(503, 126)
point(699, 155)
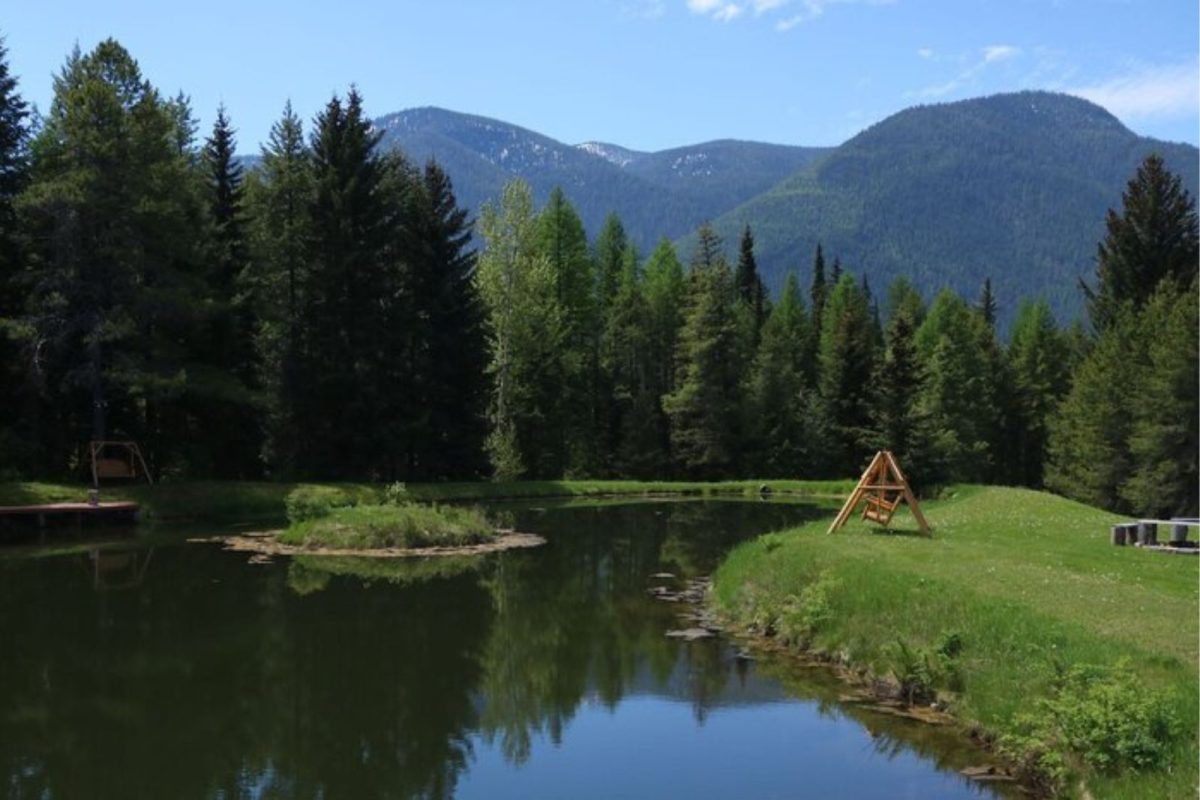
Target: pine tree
point(228, 412)
point(778, 390)
point(903, 298)
point(609, 255)
point(704, 406)
point(573, 392)
point(987, 303)
point(116, 213)
point(1039, 360)
point(709, 249)
point(1089, 458)
point(1164, 438)
point(279, 197)
point(749, 283)
point(451, 328)
point(665, 291)
point(632, 444)
point(961, 390)
point(14, 174)
point(898, 421)
point(350, 336)
point(835, 274)
point(846, 364)
point(818, 289)
point(1153, 239)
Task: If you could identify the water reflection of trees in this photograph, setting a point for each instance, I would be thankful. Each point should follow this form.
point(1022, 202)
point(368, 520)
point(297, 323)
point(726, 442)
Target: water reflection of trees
point(320, 678)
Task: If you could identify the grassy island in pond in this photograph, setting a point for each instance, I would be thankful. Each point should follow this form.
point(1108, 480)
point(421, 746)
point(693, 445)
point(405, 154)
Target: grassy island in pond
point(1080, 658)
point(401, 525)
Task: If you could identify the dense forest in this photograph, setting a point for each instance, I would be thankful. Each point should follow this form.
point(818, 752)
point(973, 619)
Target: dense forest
point(331, 314)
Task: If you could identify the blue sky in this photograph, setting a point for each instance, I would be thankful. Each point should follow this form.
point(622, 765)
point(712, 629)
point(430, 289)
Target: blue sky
point(647, 74)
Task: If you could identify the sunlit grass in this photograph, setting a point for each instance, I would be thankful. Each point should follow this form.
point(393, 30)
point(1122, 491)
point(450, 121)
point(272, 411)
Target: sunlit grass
point(1028, 580)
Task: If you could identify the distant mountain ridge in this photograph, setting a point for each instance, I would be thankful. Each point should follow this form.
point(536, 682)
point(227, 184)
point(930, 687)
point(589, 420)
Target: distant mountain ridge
point(1012, 186)
point(658, 194)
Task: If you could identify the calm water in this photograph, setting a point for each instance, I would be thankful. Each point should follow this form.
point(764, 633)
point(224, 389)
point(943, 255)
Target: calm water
point(175, 670)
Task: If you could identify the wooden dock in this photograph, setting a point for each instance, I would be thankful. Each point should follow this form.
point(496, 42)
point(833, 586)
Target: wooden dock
point(110, 513)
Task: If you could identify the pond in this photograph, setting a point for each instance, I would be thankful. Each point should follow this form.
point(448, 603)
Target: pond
point(172, 669)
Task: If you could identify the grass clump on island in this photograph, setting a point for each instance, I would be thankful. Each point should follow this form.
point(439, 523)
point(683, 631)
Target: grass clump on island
point(327, 517)
point(1078, 659)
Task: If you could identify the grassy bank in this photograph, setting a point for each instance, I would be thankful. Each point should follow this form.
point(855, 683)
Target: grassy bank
point(237, 500)
point(1079, 656)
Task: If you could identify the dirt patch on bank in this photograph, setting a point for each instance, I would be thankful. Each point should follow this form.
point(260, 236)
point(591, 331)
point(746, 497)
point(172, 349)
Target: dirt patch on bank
point(266, 543)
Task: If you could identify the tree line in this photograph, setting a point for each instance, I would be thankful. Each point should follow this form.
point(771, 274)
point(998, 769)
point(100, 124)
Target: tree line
point(325, 315)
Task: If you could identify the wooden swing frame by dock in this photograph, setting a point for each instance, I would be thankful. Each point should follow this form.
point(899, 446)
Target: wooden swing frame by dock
point(106, 467)
point(883, 487)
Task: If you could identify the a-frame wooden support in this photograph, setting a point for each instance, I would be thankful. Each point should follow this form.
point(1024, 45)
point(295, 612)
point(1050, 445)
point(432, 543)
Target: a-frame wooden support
point(882, 487)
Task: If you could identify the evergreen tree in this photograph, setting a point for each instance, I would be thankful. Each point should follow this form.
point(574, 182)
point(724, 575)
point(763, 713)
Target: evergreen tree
point(279, 197)
point(525, 328)
point(898, 421)
point(749, 283)
point(632, 444)
point(961, 390)
point(229, 413)
point(987, 303)
point(573, 392)
point(449, 428)
point(1164, 438)
point(903, 298)
point(778, 390)
point(818, 290)
point(14, 174)
point(835, 274)
point(1089, 458)
point(609, 255)
point(665, 292)
point(846, 365)
point(1039, 360)
point(116, 214)
point(350, 327)
point(1153, 239)
point(704, 406)
point(709, 249)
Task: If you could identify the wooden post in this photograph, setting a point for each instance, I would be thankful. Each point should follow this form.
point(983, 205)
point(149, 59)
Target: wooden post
point(1179, 535)
point(1118, 535)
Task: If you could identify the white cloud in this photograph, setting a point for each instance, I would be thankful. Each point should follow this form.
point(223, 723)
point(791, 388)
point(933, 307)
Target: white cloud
point(1171, 90)
point(800, 10)
point(925, 52)
point(644, 9)
point(717, 9)
point(999, 52)
point(989, 55)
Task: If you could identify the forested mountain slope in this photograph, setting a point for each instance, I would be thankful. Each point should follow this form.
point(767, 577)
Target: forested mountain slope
point(1011, 186)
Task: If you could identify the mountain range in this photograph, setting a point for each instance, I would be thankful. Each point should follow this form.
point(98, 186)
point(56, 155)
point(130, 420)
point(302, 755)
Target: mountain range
point(1013, 187)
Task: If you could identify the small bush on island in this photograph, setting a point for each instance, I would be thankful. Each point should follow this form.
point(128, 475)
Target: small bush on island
point(405, 525)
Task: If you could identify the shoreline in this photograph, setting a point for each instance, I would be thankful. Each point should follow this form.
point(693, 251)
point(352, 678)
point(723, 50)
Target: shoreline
point(266, 543)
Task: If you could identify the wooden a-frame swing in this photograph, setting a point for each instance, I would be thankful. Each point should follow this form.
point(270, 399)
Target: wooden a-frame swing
point(883, 487)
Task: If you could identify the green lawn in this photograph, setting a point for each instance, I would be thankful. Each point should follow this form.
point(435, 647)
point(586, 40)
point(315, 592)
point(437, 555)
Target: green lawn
point(1027, 580)
point(233, 500)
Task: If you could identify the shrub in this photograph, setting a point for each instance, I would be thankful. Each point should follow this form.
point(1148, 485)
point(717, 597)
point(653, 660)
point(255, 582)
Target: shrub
point(314, 502)
point(804, 615)
point(919, 672)
point(1102, 718)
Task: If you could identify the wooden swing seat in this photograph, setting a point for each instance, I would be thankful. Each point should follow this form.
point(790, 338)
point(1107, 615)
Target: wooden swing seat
point(114, 468)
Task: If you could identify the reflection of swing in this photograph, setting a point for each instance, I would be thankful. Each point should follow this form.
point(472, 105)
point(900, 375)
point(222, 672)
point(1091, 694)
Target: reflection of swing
point(118, 460)
point(118, 569)
point(883, 487)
